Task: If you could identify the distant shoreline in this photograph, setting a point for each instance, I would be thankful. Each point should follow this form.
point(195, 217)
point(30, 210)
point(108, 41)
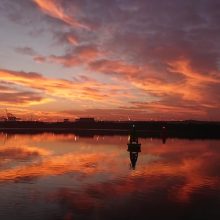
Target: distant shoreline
point(157, 129)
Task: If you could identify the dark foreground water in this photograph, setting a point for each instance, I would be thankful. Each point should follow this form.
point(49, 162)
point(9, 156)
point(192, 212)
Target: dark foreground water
point(66, 177)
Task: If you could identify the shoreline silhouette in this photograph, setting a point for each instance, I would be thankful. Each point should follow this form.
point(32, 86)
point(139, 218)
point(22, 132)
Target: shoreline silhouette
point(161, 129)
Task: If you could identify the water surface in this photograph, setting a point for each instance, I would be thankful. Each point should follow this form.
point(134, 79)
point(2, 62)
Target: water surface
point(47, 176)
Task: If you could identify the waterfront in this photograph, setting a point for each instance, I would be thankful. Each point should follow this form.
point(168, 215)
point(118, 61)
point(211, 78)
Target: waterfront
point(48, 176)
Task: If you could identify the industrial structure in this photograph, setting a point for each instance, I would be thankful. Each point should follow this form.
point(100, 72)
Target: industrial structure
point(9, 117)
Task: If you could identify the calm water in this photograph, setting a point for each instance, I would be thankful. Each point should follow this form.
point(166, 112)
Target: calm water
point(66, 177)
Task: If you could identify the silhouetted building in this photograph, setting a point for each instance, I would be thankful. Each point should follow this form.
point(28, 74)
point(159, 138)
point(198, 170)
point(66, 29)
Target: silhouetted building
point(85, 120)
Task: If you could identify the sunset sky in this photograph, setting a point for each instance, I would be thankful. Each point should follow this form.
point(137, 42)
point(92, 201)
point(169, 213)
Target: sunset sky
point(110, 59)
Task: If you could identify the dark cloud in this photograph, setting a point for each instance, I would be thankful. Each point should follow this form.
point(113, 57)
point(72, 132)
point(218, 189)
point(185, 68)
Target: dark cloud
point(20, 97)
point(26, 51)
point(75, 57)
point(22, 12)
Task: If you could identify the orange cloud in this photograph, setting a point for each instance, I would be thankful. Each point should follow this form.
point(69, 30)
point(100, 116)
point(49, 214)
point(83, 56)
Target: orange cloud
point(187, 96)
point(55, 87)
point(53, 9)
point(12, 96)
point(72, 39)
point(115, 67)
point(182, 66)
point(145, 78)
point(50, 89)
